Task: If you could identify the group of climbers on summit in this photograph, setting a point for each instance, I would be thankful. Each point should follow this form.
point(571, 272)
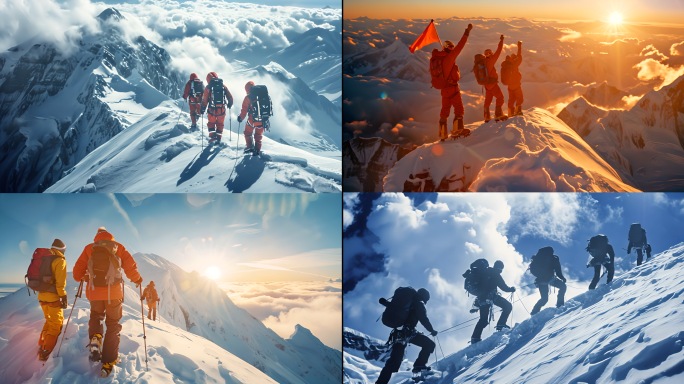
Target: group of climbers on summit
point(445, 76)
point(406, 308)
point(215, 99)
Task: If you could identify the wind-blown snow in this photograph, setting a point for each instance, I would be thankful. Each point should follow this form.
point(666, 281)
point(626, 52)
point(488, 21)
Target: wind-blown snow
point(628, 331)
point(534, 152)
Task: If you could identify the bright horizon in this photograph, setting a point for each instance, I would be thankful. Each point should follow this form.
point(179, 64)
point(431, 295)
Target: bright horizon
point(660, 11)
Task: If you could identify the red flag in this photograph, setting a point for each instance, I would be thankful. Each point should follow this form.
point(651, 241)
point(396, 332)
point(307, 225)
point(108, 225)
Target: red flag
point(428, 37)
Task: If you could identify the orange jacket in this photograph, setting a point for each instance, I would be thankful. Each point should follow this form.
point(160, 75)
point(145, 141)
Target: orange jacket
point(490, 63)
point(115, 292)
point(449, 67)
point(186, 92)
point(245, 111)
point(516, 76)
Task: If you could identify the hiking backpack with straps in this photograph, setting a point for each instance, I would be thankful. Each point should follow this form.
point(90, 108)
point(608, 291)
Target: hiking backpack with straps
point(506, 71)
point(104, 266)
point(598, 246)
point(218, 96)
point(475, 277)
point(260, 106)
point(39, 276)
point(636, 234)
point(480, 70)
point(438, 79)
point(397, 310)
point(542, 263)
point(196, 88)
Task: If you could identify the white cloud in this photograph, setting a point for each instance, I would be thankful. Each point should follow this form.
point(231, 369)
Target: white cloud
point(350, 200)
point(651, 69)
point(552, 216)
point(677, 49)
point(49, 21)
point(282, 305)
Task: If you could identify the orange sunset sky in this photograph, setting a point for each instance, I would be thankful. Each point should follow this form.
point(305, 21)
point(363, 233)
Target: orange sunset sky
point(651, 11)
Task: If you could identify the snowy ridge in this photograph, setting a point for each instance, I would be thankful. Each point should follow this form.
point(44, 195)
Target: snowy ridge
point(534, 152)
point(156, 155)
point(628, 331)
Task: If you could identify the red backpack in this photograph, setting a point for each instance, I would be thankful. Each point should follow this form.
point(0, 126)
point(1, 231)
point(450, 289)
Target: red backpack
point(39, 275)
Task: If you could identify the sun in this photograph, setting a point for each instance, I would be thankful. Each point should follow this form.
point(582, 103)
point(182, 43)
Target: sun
point(212, 273)
point(615, 18)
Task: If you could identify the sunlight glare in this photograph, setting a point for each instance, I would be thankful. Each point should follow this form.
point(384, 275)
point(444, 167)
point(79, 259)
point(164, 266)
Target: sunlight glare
point(212, 273)
point(615, 18)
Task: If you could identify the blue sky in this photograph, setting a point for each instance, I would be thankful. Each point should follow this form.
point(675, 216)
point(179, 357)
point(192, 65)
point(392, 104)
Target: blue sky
point(245, 237)
point(428, 240)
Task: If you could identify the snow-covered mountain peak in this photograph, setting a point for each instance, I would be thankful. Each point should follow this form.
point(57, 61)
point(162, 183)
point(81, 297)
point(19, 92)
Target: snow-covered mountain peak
point(534, 152)
point(110, 14)
point(628, 331)
point(275, 69)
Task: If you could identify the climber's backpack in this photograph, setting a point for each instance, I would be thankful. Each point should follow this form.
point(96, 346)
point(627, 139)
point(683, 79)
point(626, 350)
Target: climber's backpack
point(39, 276)
point(542, 263)
point(636, 235)
point(197, 88)
point(480, 70)
point(598, 246)
point(475, 277)
point(104, 266)
point(506, 71)
point(260, 106)
point(397, 310)
point(218, 96)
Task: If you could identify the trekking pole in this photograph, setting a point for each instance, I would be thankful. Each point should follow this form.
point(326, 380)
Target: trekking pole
point(230, 122)
point(142, 316)
point(79, 292)
point(202, 131)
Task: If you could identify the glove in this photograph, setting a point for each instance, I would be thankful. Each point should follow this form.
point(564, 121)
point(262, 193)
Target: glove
point(139, 282)
point(501, 38)
point(512, 289)
point(383, 301)
point(519, 43)
point(186, 99)
point(433, 333)
point(563, 279)
point(239, 119)
point(203, 110)
point(470, 26)
point(64, 302)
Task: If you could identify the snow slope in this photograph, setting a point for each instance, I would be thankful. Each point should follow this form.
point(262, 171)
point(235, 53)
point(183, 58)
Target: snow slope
point(201, 337)
point(630, 331)
point(156, 155)
point(534, 152)
point(174, 355)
